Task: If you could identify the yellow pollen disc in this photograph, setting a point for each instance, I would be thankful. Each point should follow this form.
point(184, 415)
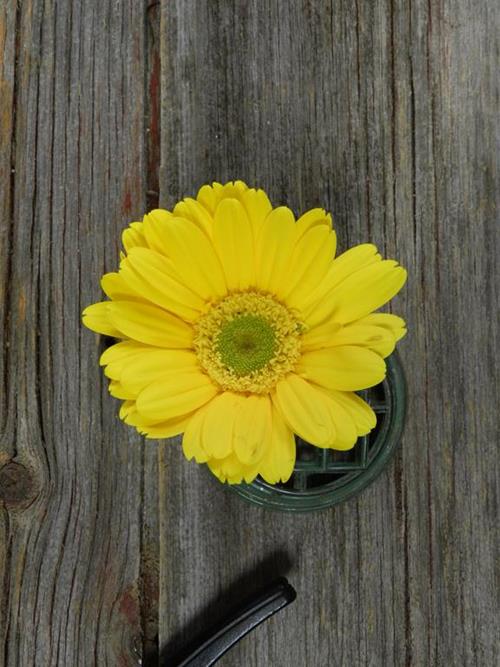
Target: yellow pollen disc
point(248, 341)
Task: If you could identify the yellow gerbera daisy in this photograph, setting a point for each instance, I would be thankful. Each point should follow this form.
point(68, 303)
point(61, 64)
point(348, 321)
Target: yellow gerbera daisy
point(239, 329)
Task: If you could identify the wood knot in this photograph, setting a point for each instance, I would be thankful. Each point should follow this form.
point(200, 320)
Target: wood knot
point(17, 486)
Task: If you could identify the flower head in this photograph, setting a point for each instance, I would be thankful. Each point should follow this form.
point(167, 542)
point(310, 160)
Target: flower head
point(239, 328)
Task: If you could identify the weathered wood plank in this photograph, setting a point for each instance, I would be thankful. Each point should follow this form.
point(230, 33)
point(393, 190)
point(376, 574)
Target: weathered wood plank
point(71, 575)
point(150, 543)
point(7, 112)
point(384, 113)
point(7, 49)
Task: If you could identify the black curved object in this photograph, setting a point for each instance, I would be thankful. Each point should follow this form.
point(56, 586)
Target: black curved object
point(256, 610)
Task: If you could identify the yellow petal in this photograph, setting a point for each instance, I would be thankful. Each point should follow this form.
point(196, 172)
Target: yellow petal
point(274, 249)
point(155, 227)
point(191, 440)
point(155, 429)
point(231, 470)
point(207, 198)
point(255, 202)
point(311, 258)
point(217, 432)
point(149, 274)
point(131, 417)
point(118, 391)
point(312, 218)
point(257, 206)
point(366, 290)
point(115, 368)
point(233, 241)
point(233, 190)
point(166, 429)
point(346, 433)
point(393, 323)
point(320, 336)
point(120, 352)
point(362, 414)
point(192, 210)
point(375, 338)
point(115, 287)
point(252, 429)
point(278, 462)
point(96, 318)
point(343, 266)
point(129, 414)
point(126, 408)
point(194, 259)
point(347, 368)
point(150, 325)
point(210, 195)
point(360, 293)
point(175, 394)
point(305, 409)
point(354, 259)
point(152, 364)
point(133, 236)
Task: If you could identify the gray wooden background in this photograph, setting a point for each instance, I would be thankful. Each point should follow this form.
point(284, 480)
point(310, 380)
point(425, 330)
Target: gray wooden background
point(114, 551)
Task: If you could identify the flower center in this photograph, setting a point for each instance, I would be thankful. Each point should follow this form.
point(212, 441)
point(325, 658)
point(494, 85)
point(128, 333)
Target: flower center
point(247, 341)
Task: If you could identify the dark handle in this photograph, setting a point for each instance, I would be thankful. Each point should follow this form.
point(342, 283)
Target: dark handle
point(249, 616)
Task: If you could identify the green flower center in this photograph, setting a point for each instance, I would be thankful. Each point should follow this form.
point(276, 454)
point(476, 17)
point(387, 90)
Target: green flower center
point(246, 344)
point(248, 341)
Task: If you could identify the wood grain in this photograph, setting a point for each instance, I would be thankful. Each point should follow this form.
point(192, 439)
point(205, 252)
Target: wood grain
point(72, 483)
point(383, 112)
